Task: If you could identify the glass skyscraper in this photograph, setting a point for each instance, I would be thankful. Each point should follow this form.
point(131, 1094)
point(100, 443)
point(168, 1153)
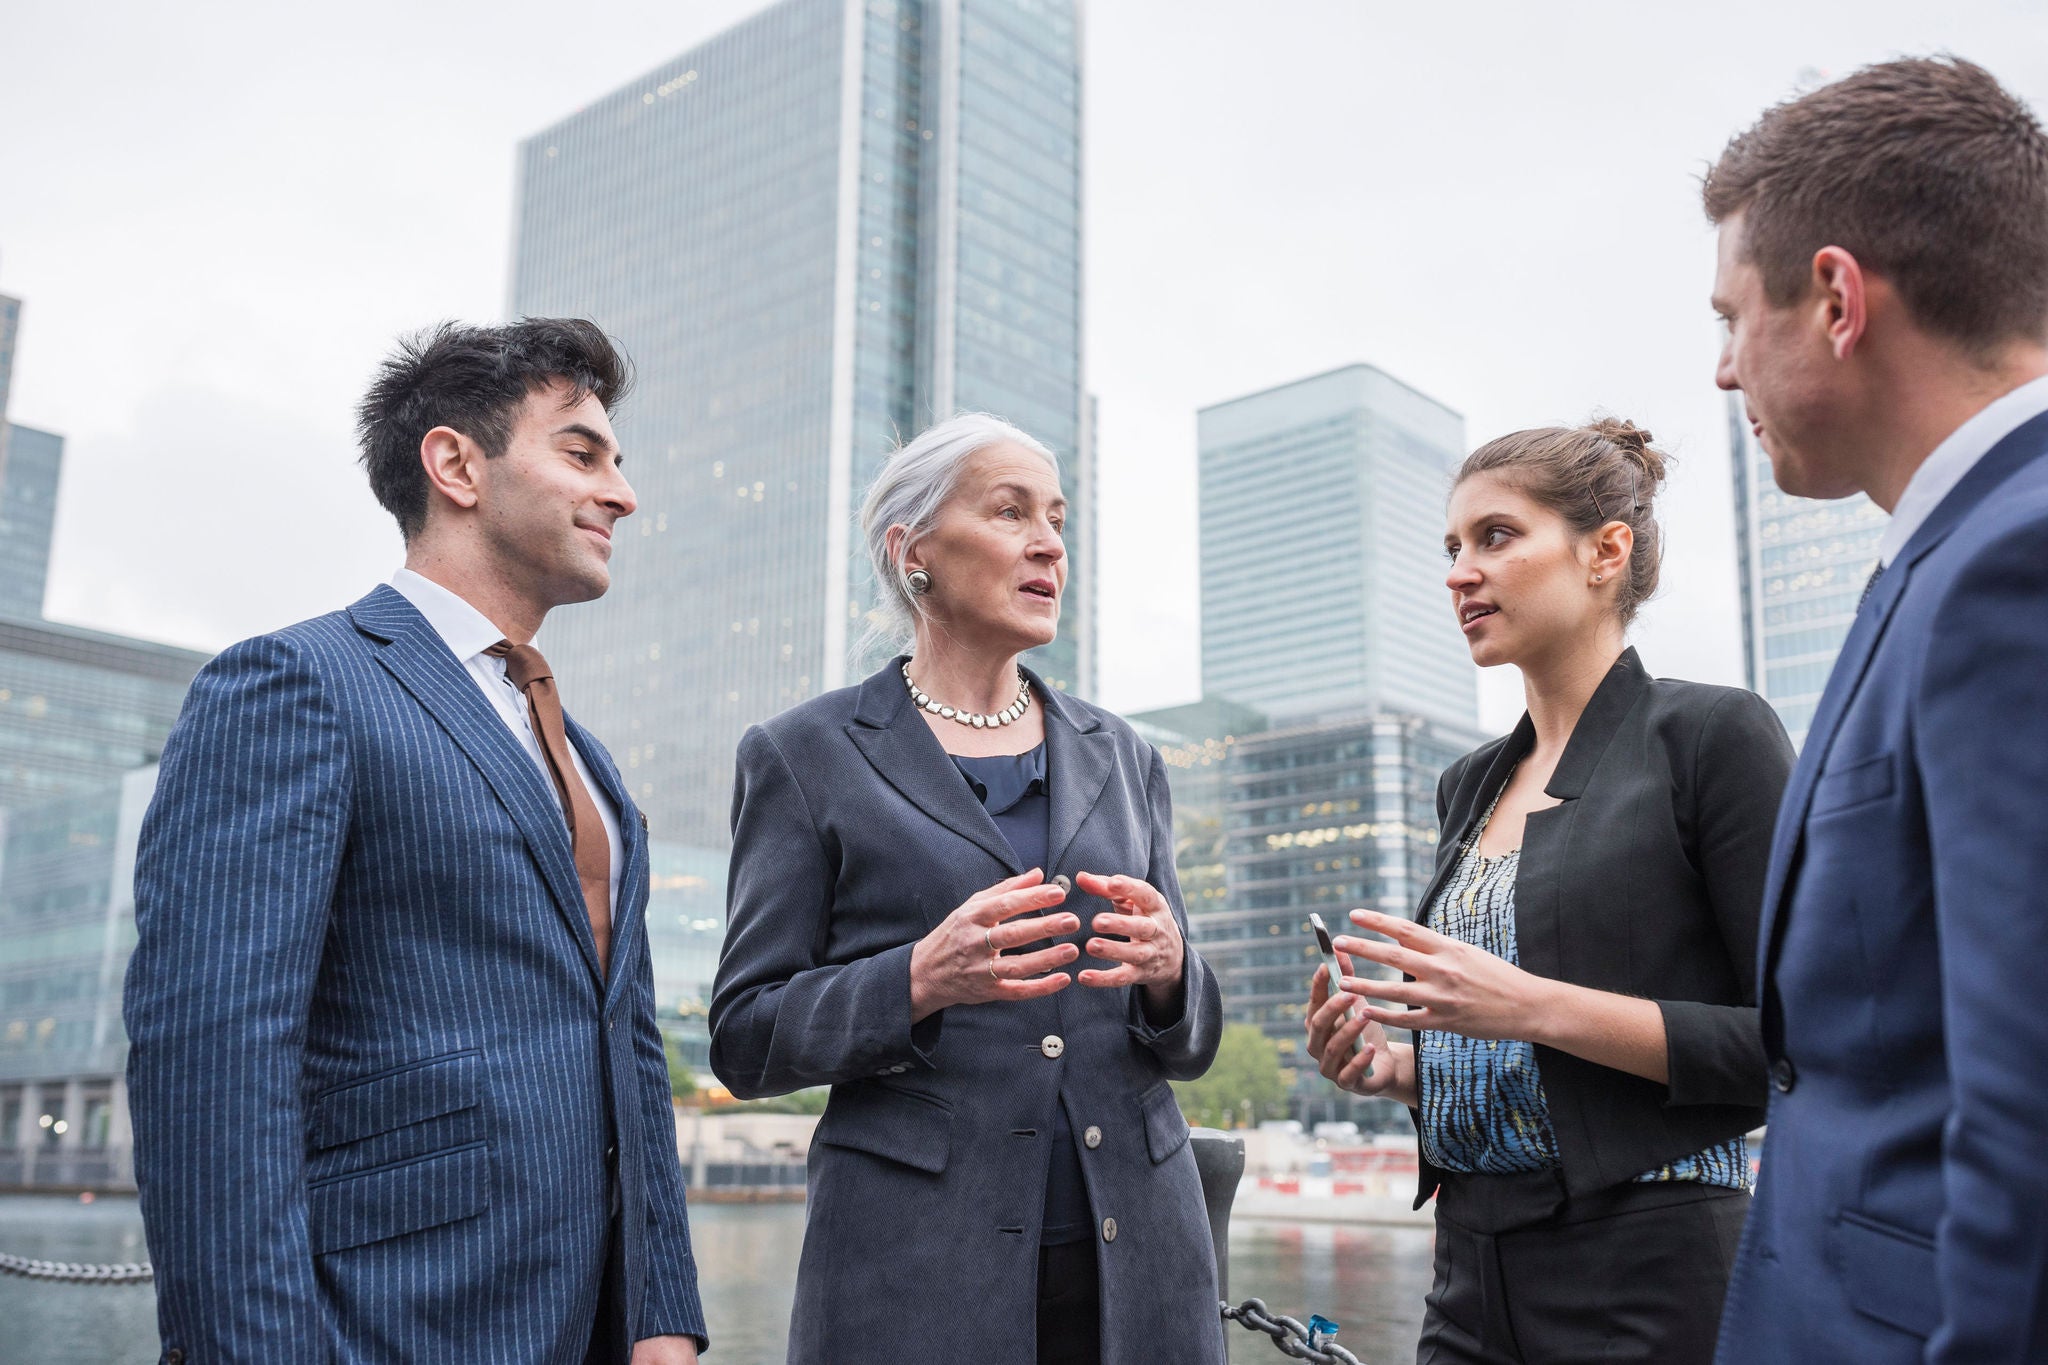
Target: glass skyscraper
point(1322, 511)
point(79, 708)
point(67, 927)
point(813, 234)
point(1801, 567)
point(83, 716)
point(1273, 823)
point(29, 466)
point(10, 329)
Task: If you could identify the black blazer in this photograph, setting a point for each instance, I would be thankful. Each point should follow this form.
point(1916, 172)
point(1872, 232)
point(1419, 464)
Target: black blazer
point(1647, 881)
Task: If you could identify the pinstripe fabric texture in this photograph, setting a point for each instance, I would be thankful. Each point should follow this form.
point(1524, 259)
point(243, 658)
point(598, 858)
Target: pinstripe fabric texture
point(853, 836)
point(378, 1084)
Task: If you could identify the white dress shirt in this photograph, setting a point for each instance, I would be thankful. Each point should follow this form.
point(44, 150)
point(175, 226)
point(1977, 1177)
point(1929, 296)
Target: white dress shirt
point(468, 633)
point(1941, 471)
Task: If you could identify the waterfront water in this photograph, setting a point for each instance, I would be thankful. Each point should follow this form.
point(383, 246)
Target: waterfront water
point(1370, 1279)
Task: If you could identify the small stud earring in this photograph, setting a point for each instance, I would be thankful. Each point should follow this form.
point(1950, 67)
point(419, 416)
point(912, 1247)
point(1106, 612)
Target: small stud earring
point(920, 581)
point(1596, 578)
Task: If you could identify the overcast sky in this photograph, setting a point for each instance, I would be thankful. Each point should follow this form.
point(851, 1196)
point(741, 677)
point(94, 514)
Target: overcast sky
point(220, 213)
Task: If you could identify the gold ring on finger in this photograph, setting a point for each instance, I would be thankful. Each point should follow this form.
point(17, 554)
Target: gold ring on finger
point(992, 966)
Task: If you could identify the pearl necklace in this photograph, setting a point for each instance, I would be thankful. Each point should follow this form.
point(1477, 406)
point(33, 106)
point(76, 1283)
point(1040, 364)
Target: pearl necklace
point(1008, 715)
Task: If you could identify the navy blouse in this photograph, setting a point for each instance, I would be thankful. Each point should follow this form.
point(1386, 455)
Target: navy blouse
point(1012, 788)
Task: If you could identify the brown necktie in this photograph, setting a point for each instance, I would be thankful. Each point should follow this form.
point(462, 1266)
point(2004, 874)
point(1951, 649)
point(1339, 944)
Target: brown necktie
point(530, 673)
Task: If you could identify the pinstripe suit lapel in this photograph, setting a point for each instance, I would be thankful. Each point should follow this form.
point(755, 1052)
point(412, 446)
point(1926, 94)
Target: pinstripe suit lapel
point(413, 654)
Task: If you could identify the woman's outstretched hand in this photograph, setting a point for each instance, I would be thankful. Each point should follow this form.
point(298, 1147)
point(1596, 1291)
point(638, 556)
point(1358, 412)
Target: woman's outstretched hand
point(961, 962)
point(1147, 949)
point(1456, 987)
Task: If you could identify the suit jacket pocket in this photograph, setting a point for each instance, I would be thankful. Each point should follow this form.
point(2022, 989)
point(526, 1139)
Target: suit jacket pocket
point(396, 1098)
point(1889, 1273)
point(898, 1125)
point(1166, 1131)
point(1852, 784)
point(391, 1201)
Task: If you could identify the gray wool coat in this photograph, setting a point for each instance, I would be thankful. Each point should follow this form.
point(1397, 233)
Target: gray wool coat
point(853, 837)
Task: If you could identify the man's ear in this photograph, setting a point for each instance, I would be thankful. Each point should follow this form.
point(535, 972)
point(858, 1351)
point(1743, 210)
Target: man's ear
point(453, 463)
point(1843, 299)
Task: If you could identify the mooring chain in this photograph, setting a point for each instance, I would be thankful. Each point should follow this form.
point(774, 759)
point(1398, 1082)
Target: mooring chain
point(1289, 1335)
point(72, 1271)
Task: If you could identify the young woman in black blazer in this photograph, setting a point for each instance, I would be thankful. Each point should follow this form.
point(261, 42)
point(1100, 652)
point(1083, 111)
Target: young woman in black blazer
point(1580, 973)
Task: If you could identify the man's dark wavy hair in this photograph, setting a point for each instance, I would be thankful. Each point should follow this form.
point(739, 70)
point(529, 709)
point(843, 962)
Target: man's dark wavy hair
point(473, 380)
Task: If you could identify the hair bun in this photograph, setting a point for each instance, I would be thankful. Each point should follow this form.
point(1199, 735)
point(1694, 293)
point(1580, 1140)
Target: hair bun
point(1634, 444)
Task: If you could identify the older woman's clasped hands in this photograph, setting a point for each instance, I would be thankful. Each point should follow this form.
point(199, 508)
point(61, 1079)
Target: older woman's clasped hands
point(961, 962)
point(970, 958)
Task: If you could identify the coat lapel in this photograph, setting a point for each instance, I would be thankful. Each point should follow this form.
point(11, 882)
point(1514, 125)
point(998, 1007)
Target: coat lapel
point(421, 663)
point(1519, 742)
point(1540, 876)
point(1079, 755)
point(899, 745)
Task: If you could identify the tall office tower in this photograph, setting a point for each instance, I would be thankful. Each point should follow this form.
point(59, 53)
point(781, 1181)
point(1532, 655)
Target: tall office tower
point(1272, 823)
point(29, 466)
point(67, 927)
point(1801, 566)
point(1322, 508)
point(1196, 742)
point(10, 328)
point(1324, 817)
point(78, 709)
point(813, 233)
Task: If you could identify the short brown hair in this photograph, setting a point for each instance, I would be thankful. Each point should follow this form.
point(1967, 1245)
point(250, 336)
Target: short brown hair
point(1604, 471)
point(1926, 170)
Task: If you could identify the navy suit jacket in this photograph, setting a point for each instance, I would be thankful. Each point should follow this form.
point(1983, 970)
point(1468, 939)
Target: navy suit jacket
point(383, 1099)
point(1902, 1213)
point(853, 837)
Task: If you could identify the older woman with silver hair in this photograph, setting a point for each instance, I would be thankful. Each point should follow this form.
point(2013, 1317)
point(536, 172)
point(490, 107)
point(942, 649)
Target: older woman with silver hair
point(953, 900)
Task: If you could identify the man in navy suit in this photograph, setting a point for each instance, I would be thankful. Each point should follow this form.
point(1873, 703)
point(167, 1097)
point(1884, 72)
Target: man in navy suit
point(397, 1089)
point(1884, 277)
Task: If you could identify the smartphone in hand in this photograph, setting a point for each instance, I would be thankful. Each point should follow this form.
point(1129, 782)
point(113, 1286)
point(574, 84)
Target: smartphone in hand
point(1329, 951)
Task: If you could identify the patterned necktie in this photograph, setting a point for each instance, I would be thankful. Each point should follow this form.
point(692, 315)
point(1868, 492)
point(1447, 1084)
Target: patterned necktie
point(1870, 584)
point(530, 673)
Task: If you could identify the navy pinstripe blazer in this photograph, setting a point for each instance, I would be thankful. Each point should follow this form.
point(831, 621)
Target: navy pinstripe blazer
point(378, 1084)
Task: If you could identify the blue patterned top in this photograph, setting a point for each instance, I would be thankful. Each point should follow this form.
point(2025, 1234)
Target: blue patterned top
point(1483, 1107)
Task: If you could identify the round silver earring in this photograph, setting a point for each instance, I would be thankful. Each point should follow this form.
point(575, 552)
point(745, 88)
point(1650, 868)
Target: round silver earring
point(920, 581)
point(1596, 578)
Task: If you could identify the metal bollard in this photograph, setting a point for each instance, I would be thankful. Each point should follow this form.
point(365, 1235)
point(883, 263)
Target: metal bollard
point(1219, 1157)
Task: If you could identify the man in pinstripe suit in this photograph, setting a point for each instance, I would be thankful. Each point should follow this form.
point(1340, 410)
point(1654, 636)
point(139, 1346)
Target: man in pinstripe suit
point(397, 1089)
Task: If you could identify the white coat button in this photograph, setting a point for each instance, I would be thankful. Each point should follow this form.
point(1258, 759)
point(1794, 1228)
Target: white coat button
point(1092, 1136)
point(1109, 1229)
point(1053, 1045)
